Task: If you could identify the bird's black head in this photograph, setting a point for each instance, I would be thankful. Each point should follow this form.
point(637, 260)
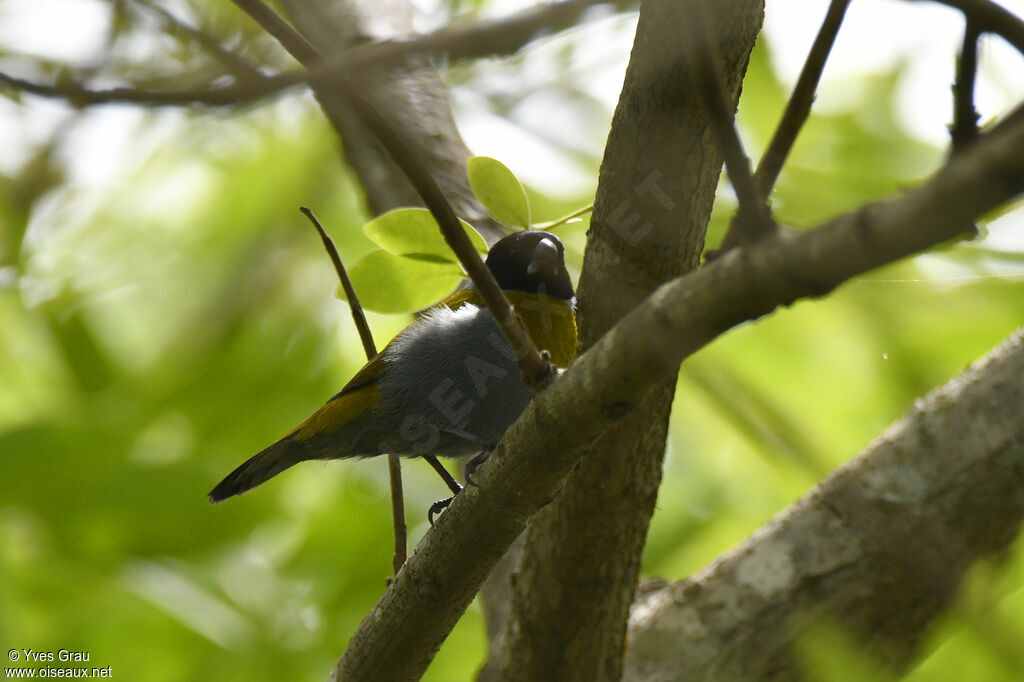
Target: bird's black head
point(532, 261)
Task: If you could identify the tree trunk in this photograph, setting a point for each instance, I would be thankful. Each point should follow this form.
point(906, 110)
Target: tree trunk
point(577, 577)
point(398, 638)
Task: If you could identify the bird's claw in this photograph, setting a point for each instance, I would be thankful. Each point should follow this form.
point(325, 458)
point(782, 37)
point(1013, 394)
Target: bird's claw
point(471, 467)
point(474, 464)
point(438, 507)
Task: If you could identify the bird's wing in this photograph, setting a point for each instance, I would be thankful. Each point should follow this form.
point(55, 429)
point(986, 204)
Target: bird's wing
point(338, 411)
point(370, 372)
point(361, 392)
point(459, 298)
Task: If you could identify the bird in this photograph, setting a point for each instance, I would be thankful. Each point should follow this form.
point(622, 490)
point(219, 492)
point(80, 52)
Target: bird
point(448, 384)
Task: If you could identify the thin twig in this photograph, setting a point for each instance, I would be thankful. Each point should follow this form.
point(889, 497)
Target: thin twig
point(564, 219)
point(799, 106)
point(370, 348)
point(965, 117)
point(482, 39)
point(394, 464)
point(980, 15)
point(991, 18)
point(346, 283)
point(78, 95)
point(397, 513)
point(290, 39)
point(241, 69)
point(753, 215)
point(536, 369)
point(412, 618)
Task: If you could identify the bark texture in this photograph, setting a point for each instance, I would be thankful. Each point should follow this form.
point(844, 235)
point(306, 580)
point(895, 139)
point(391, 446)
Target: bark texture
point(398, 638)
point(877, 550)
point(581, 561)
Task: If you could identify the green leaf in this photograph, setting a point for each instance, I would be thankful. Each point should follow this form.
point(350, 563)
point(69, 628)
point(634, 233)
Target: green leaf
point(386, 283)
point(499, 190)
point(413, 232)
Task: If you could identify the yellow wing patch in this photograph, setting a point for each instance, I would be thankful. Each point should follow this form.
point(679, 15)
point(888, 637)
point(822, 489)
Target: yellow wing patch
point(338, 411)
point(459, 298)
point(361, 392)
point(551, 324)
point(369, 374)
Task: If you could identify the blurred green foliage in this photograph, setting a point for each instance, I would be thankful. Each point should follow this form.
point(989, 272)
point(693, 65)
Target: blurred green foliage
point(158, 330)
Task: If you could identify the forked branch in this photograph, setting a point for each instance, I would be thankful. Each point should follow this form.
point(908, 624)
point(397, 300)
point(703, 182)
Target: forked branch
point(535, 368)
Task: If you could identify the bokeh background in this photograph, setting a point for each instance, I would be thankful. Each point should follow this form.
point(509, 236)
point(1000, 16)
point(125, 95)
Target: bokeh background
point(165, 312)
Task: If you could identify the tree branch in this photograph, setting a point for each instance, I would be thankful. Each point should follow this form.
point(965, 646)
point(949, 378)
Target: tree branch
point(370, 349)
point(410, 91)
point(291, 40)
point(407, 626)
point(78, 95)
point(365, 335)
point(503, 36)
point(981, 16)
point(578, 573)
point(484, 39)
point(241, 69)
point(535, 368)
point(965, 117)
point(753, 217)
point(798, 108)
point(497, 37)
point(878, 550)
point(990, 18)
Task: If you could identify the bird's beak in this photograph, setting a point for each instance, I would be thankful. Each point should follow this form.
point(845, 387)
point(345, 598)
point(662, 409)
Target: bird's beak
point(545, 259)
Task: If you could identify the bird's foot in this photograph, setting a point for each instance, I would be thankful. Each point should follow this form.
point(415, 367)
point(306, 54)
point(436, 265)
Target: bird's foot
point(474, 464)
point(438, 507)
point(471, 467)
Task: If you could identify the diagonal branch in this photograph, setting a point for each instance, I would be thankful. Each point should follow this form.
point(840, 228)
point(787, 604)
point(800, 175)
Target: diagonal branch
point(753, 217)
point(798, 108)
point(981, 15)
point(401, 634)
point(242, 70)
point(877, 550)
point(965, 117)
point(580, 562)
point(291, 40)
point(535, 368)
point(990, 17)
point(370, 349)
point(79, 95)
point(358, 317)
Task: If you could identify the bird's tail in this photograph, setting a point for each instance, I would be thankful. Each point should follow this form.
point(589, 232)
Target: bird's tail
point(259, 468)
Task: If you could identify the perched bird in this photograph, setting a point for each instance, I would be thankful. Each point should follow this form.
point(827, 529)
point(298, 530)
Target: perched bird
point(448, 384)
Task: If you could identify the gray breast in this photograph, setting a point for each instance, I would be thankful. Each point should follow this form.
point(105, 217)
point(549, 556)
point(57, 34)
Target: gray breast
point(453, 385)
